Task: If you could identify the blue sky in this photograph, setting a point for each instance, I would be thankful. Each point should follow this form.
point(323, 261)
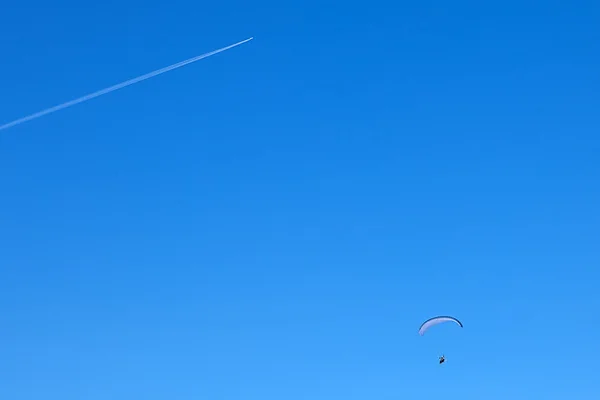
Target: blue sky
point(276, 221)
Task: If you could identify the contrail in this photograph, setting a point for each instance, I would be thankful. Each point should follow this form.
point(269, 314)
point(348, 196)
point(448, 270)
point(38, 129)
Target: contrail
point(119, 86)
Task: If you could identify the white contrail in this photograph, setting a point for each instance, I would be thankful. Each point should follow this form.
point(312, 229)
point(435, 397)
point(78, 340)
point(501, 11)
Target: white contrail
point(118, 86)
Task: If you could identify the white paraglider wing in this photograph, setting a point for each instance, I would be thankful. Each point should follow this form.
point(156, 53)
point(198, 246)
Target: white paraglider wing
point(435, 321)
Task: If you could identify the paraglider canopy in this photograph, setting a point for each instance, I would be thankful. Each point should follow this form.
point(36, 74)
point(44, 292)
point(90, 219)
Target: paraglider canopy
point(435, 321)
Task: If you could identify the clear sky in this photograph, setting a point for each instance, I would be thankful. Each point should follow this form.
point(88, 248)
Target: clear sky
point(276, 221)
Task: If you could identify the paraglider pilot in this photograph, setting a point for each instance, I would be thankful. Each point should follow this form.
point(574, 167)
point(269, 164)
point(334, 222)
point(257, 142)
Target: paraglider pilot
point(442, 359)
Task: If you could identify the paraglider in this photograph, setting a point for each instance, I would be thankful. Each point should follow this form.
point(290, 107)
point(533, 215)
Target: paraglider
point(436, 321)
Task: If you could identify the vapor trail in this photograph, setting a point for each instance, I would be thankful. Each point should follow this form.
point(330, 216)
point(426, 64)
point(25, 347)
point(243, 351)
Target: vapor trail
point(119, 86)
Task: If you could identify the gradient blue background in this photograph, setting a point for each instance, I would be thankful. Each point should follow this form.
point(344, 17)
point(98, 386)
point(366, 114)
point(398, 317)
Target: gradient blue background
point(276, 221)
